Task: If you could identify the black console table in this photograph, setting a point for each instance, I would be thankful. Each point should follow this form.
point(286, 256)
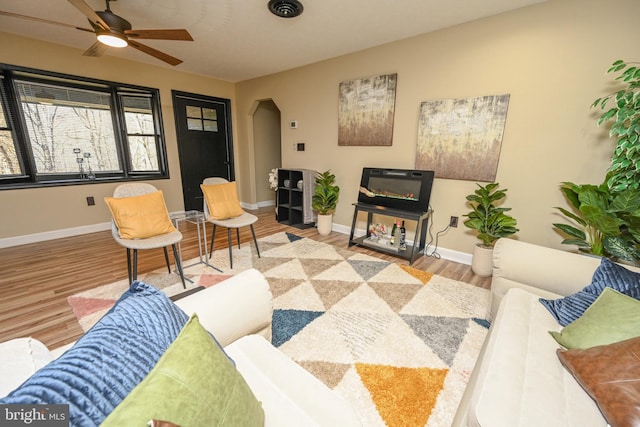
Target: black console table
point(412, 252)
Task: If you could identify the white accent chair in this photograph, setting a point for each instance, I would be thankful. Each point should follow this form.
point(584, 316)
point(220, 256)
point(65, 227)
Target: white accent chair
point(160, 241)
point(246, 219)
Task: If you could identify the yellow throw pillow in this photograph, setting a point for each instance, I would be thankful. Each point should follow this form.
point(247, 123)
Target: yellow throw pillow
point(140, 217)
point(222, 200)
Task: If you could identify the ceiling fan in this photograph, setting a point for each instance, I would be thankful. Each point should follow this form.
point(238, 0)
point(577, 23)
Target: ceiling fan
point(113, 30)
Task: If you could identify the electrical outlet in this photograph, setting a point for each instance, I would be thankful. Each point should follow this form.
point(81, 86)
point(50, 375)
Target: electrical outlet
point(91, 201)
point(453, 222)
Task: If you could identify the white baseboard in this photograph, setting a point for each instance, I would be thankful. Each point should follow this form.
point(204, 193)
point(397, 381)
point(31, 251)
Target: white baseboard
point(456, 256)
point(343, 229)
point(448, 254)
point(52, 235)
point(254, 206)
point(8, 242)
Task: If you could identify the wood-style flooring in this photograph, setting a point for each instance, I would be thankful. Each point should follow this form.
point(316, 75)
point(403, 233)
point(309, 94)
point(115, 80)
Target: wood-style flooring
point(36, 279)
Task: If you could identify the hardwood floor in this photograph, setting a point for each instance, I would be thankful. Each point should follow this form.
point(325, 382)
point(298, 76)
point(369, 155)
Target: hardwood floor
point(36, 279)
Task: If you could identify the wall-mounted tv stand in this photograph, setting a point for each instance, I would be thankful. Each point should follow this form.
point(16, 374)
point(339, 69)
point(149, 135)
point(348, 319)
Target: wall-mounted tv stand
point(413, 251)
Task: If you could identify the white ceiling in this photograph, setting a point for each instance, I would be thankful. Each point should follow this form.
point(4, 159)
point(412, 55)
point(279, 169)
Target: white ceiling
point(236, 40)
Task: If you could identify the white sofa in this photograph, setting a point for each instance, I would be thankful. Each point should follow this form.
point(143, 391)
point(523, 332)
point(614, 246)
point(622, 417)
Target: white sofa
point(238, 313)
point(518, 380)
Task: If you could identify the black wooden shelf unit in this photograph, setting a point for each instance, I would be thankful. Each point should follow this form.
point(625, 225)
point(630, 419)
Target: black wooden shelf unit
point(289, 198)
point(413, 251)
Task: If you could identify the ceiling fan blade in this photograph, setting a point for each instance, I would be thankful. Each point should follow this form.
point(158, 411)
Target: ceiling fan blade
point(177, 34)
point(155, 53)
point(96, 49)
point(87, 11)
point(46, 21)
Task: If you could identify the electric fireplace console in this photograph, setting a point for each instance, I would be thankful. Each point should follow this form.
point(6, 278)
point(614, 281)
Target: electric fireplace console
point(400, 193)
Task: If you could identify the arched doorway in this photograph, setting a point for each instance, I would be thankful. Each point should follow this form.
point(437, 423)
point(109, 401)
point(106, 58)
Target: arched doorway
point(267, 148)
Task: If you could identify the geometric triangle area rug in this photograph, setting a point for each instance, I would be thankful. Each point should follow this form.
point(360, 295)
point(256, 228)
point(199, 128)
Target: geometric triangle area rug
point(397, 343)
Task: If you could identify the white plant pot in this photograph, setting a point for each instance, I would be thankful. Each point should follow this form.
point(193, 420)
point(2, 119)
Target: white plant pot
point(324, 223)
point(482, 261)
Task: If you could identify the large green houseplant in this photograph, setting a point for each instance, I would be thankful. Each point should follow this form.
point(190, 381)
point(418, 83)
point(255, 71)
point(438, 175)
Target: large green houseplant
point(624, 115)
point(605, 222)
point(325, 200)
point(490, 222)
point(606, 217)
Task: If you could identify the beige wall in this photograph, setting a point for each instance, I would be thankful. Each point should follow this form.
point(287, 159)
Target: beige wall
point(38, 210)
point(550, 57)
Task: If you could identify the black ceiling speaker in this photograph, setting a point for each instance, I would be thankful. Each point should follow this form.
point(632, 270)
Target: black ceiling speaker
point(286, 8)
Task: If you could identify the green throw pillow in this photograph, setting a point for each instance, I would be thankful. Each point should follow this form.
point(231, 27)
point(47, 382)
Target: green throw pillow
point(613, 317)
point(193, 384)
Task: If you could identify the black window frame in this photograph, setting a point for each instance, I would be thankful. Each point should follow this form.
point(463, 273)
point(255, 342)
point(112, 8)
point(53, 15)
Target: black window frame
point(15, 120)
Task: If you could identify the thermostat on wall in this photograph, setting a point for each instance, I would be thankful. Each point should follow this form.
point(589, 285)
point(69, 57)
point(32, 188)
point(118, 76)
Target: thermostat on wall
point(293, 124)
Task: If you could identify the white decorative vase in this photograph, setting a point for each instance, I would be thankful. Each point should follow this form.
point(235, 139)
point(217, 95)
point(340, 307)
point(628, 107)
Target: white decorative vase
point(324, 222)
point(482, 261)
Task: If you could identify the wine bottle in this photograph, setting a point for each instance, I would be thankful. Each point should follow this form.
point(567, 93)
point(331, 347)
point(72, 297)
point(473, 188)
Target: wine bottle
point(393, 233)
point(403, 236)
point(396, 237)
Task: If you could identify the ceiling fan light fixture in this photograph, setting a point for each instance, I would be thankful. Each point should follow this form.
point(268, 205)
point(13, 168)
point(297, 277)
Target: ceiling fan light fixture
point(112, 39)
point(286, 8)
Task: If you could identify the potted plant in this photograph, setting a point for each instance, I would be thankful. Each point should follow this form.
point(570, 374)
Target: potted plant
point(607, 217)
point(606, 222)
point(325, 200)
point(624, 114)
point(491, 222)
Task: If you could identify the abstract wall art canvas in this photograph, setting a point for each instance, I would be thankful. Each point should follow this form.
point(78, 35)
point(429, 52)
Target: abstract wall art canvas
point(365, 111)
point(462, 138)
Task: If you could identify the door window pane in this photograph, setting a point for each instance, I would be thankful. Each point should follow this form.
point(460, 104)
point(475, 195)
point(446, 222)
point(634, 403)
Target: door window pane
point(193, 111)
point(194, 124)
point(209, 114)
point(202, 119)
point(210, 126)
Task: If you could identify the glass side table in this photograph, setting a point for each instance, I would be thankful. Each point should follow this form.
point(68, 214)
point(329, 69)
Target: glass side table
point(197, 218)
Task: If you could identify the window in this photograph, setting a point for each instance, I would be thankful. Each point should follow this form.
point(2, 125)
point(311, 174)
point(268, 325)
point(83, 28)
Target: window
point(203, 119)
point(58, 129)
point(141, 137)
point(9, 161)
